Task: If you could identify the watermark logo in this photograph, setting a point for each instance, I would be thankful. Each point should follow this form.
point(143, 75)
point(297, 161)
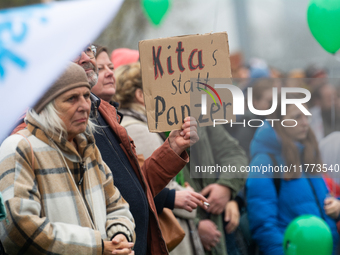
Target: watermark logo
point(239, 100)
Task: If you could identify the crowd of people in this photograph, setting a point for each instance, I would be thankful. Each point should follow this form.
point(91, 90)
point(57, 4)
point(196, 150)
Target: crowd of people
point(82, 174)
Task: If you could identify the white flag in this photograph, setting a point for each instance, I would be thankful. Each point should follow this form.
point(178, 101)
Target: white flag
point(36, 42)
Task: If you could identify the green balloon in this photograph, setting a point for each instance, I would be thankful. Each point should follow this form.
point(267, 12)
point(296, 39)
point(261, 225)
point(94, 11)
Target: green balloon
point(155, 9)
point(323, 18)
point(308, 235)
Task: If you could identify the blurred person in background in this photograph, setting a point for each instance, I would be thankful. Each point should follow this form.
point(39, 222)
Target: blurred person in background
point(217, 224)
point(275, 73)
point(262, 100)
point(241, 76)
point(129, 95)
point(296, 78)
point(239, 71)
point(314, 71)
point(58, 201)
point(325, 112)
point(273, 206)
point(124, 56)
point(277, 77)
point(315, 77)
point(258, 69)
point(330, 152)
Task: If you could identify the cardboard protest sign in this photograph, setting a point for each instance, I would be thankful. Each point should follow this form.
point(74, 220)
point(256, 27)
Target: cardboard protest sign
point(178, 73)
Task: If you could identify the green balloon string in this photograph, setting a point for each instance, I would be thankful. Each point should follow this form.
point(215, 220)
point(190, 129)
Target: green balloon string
point(337, 56)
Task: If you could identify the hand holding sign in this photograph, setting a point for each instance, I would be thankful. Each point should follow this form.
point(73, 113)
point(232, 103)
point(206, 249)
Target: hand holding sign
point(180, 140)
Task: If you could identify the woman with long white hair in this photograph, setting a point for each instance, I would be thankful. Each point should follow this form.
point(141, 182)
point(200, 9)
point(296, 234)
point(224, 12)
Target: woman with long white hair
point(58, 192)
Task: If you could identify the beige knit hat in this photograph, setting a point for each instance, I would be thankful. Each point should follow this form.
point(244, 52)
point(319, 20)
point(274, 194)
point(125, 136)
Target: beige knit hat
point(73, 77)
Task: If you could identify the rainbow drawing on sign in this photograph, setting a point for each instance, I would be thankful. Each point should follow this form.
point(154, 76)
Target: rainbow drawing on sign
point(209, 93)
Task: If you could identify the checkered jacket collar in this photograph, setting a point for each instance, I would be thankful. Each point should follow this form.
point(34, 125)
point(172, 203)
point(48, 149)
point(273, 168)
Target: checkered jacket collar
point(84, 141)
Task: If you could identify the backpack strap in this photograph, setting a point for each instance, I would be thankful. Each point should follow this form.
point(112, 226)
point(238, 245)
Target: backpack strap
point(315, 197)
point(277, 176)
point(276, 179)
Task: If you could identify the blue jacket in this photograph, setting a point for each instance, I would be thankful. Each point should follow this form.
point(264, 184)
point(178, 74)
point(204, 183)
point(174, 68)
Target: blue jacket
point(269, 214)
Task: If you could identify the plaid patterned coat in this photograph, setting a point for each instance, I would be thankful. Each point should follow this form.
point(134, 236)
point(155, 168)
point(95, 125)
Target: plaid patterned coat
point(52, 210)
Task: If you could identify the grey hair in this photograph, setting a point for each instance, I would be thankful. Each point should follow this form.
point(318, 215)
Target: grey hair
point(51, 122)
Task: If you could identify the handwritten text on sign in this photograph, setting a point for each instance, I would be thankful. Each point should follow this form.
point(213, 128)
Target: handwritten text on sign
point(168, 65)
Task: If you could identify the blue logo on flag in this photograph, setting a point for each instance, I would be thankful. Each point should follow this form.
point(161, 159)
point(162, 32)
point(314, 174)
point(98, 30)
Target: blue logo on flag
point(14, 28)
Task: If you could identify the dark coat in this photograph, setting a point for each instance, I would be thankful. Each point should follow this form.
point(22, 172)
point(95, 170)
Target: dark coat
point(154, 175)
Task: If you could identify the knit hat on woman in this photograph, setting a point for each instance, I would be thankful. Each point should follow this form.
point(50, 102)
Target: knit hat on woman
point(73, 77)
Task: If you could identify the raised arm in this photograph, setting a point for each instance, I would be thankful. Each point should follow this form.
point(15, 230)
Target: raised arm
point(171, 157)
